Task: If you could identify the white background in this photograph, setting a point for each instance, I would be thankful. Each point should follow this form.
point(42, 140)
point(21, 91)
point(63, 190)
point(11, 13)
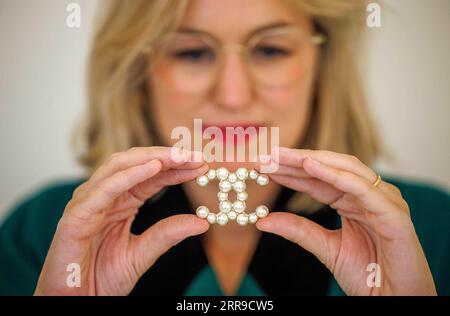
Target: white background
point(42, 79)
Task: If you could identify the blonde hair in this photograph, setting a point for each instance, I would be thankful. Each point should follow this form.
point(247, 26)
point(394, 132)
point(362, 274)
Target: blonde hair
point(119, 116)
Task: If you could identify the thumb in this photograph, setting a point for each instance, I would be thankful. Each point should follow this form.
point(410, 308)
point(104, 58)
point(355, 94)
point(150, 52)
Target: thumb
point(162, 236)
point(321, 242)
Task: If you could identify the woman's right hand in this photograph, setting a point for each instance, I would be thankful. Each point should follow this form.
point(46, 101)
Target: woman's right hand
point(94, 231)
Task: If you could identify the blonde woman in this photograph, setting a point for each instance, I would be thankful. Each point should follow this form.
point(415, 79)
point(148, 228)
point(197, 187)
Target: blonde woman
point(130, 228)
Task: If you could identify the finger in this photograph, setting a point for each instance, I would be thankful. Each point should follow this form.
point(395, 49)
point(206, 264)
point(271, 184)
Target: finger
point(296, 157)
point(337, 160)
point(140, 155)
point(109, 189)
point(322, 243)
point(162, 236)
point(315, 188)
point(286, 170)
point(155, 184)
point(373, 199)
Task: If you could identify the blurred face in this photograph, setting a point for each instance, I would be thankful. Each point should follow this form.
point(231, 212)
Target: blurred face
point(235, 63)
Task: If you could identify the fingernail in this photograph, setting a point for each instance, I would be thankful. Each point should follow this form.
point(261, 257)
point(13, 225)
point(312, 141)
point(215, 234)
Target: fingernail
point(264, 158)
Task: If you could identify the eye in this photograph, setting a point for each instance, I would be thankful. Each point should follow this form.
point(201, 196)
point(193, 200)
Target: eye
point(270, 52)
point(194, 55)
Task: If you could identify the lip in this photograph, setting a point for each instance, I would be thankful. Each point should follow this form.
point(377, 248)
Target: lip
point(235, 140)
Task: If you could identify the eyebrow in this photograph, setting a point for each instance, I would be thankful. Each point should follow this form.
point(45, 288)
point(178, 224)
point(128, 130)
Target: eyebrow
point(260, 29)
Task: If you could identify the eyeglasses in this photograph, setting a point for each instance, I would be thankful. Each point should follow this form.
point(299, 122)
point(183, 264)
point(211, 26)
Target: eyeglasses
point(191, 62)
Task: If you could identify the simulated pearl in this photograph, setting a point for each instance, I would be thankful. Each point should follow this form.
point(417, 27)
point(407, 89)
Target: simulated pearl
point(212, 218)
point(262, 211)
point(242, 219)
point(239, 186)
point(253, 174)
point(242, 173)
point(239, 206)
point(232, 177)
point(262, 180)
point(242, 196)
point(202, 181)
point(225, 206)
point(222, 173)
point(225, 186)
point(202, 211)
point(222, 196)
point(222, 219)
point(232, 215)
point(211, 174)
point(252, 218)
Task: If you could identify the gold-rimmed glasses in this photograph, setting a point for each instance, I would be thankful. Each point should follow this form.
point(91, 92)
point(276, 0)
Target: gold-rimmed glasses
point(190, 62)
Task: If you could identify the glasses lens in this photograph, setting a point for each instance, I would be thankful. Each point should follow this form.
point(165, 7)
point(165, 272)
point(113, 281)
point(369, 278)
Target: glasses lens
point(185, 63)
point(189, 63)
point(280, 59)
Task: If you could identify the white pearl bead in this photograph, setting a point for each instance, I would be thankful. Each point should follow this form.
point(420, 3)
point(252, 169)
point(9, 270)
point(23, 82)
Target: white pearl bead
point(202, 211)
point(225, 206)
point(239, 206)
point(222, 219)
point(202, 181)
point(224, 186)
point(242, 219)
point(211, 174)
point(262, 180)
point(252, 218)
point(253, 174)
point(242, 173)
point(239, 186)
point(232, 215)
point(242, 196)
point(232, 177)
point(212, 218)
point(222, 173)
point(222, 196)
point(262, 211)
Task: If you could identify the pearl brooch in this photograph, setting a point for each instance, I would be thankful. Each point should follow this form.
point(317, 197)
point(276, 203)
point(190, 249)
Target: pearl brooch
point(225, 186)
point(239, 186)
point(222, 173)
point(225, 206)
point(222, 196)
point(262, 211)
point(232, 177)
point(211, 174)
point(262, 180)
point(222, 219)
point(211, 218)
point(242, 219)
point(202, 181)
point(229, 211)
point(253, 218)
point(202, 211)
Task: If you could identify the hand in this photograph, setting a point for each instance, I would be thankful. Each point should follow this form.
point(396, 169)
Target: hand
point(94, 231)
point(376, 225)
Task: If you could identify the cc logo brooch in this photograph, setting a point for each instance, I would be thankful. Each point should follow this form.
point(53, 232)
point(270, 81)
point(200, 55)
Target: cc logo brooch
point(232, 210)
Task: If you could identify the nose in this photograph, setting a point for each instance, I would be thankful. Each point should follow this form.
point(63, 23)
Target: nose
point(233, 88)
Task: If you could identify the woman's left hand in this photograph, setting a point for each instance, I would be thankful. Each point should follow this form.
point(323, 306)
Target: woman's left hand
point(376, 224)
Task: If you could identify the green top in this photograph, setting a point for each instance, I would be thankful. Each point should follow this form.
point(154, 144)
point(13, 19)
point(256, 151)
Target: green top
point(27, 232)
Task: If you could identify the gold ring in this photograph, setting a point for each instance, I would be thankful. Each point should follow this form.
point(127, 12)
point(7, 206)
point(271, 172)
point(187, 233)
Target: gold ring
point(377, 181)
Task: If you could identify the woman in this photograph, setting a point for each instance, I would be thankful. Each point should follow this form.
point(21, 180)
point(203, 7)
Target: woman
point(130, 228)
